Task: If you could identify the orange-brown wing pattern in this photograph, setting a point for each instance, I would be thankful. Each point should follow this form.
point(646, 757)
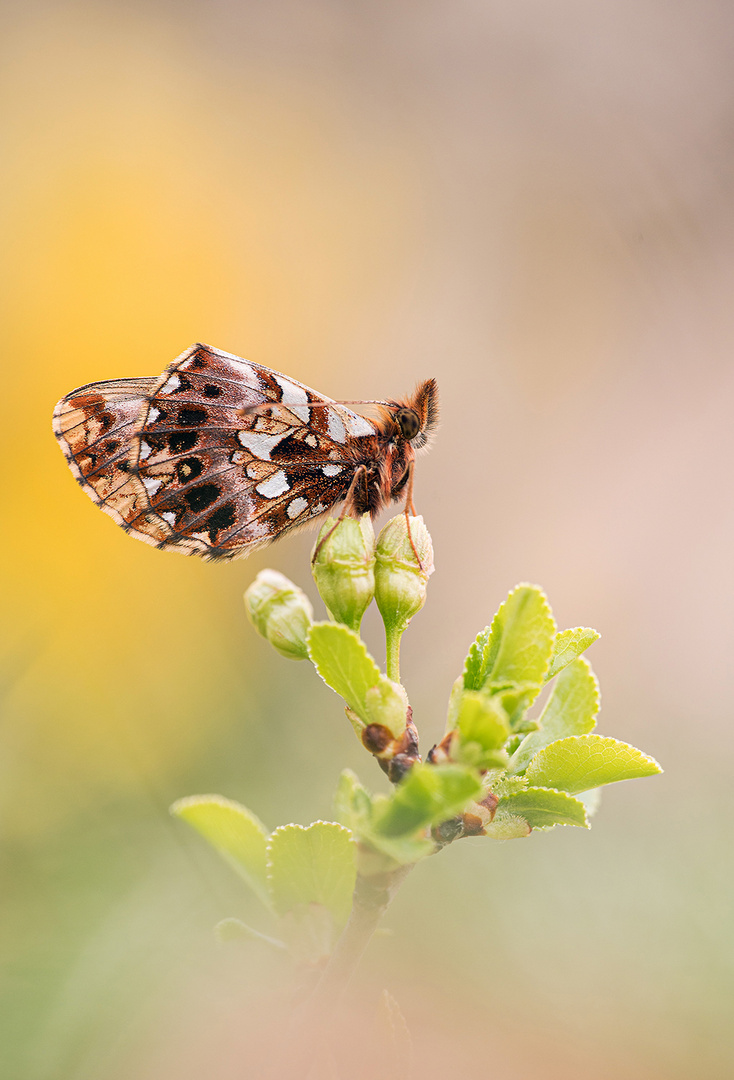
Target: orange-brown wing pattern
point(194, 471)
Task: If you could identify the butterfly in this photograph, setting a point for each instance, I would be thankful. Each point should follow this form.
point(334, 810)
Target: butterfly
point(220, 456)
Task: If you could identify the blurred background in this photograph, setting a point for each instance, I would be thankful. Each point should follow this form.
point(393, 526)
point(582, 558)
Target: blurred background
point(530, 202)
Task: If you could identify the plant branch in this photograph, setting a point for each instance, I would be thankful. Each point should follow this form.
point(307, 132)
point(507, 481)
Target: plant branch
point(372, 897)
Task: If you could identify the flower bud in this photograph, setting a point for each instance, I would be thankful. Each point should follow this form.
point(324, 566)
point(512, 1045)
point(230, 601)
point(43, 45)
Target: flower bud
point(281, 612)
point(343, 566)
point(402, 570)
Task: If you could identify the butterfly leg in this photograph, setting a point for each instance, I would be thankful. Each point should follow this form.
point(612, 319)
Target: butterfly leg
point(410, 510)
point(360, 474)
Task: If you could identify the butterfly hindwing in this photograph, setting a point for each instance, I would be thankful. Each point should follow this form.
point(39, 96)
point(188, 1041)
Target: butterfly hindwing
point(95, 426)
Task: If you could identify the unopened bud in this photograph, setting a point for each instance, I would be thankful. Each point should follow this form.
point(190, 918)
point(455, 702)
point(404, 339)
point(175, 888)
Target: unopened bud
point(343, 566)
point(404, 564)
point(281, 612)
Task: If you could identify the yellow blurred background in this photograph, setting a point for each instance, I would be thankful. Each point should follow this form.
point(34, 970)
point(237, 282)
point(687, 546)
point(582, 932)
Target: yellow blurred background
point(530, 202)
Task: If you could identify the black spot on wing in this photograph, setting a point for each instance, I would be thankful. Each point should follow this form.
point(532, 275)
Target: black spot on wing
point(190, 416)
point(212, 391)
point(294, 448)
point(181, 441)
point(222, 518)
point(202, 496)
point(189, 469)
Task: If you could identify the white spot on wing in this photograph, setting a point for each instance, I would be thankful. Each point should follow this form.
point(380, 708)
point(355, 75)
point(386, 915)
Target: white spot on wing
point(145, 450)
point(259, 444)
point(332, 470)
point(254, 528)
point(336, 428)
point(173, 384)
point(296, 507)
point(168, 516)
point(275, 485)
point(153, 414)
point(311, 441)
point(295, 397)
point(247, 374)
point(152, 483)
point(355, 424)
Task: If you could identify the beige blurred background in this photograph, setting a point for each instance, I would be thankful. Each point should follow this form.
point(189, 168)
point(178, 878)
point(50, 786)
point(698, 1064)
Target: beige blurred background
point(531, 202)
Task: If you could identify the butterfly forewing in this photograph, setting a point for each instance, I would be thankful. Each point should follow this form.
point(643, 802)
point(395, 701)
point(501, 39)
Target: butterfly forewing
point(216, 457)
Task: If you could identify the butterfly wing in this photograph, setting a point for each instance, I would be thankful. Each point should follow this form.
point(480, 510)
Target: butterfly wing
point(95, 426)
point(216, 474)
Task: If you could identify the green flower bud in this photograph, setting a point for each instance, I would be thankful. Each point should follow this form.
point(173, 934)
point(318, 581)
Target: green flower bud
point(281, 612)
point(402, 570)
point(343, 566)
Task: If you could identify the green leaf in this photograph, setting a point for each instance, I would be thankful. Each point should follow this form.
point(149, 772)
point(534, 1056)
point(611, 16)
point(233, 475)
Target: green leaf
point(507, 826)
point(352, 801)
point(428, 795)
point(581, 762)
point(234, 831)
point(477, 661)
point(569, 644)
point(312, 865)
point(543, 807)
point(503, 784)
point(342, 661)
point(570, 710)
point(516, 648)
point(483, 729)
point(482, 719)
point(516, 700)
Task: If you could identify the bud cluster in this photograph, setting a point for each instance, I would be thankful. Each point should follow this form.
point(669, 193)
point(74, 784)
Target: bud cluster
point(350, 569)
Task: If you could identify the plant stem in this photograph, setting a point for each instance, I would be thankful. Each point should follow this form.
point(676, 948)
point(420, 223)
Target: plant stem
point(392, 651)
point(372, 896)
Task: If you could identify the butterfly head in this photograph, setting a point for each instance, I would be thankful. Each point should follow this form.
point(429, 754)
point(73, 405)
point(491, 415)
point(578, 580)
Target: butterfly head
point(417, 418)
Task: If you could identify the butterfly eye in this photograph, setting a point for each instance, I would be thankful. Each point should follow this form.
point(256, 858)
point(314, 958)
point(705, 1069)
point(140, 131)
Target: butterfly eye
point(409, 423)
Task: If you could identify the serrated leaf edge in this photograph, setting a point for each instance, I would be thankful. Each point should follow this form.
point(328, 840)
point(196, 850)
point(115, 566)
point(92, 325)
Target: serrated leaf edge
point(578, 655)
point(301, 828)
point(595, 735)
point(554, 791)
